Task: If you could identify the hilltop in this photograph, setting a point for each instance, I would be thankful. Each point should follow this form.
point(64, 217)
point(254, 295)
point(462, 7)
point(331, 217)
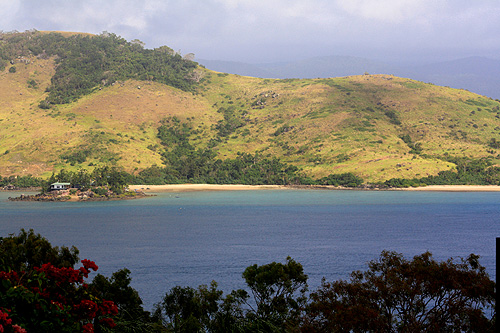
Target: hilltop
point(476, 74)
point(134, 104)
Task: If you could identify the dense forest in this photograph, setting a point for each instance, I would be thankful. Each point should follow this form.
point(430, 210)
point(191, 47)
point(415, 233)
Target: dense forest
point(184, 163)
point(41, 291)
point(86, 62)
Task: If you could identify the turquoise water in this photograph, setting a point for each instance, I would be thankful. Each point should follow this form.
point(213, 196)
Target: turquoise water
point(196, 237)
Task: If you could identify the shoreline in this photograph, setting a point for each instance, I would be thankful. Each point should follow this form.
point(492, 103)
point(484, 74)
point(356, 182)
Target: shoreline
point(455, 188)
point(232, 187)
point(241, 187)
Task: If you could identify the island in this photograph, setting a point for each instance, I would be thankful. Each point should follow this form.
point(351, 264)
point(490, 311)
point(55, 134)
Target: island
point(74, 194)
point(100, 184)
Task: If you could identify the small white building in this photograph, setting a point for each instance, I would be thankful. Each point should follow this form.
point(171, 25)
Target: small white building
point(59, 186)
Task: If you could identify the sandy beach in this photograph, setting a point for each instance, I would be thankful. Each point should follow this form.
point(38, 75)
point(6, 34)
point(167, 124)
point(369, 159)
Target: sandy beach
point(213, 187)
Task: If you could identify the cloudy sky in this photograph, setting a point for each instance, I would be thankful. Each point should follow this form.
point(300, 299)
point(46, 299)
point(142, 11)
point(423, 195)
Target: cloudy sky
point(279, 30)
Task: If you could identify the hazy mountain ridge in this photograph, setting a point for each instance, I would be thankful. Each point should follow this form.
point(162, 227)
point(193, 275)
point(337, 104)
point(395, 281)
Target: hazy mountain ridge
point(477, 74)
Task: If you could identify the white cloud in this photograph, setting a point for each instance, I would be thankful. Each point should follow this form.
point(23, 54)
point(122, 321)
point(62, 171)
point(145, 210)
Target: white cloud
point(270, 29)
point(10, 9)
point(393, 11)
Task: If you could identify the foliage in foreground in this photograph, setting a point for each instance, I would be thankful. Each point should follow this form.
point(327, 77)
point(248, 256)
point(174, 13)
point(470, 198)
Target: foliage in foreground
point(399, 295)
point(394, 295)
point(278, 292)
point(38, 296)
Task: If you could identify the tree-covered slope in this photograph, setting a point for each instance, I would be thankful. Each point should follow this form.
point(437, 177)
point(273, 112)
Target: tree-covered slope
point(85, 62)
point(376, 126)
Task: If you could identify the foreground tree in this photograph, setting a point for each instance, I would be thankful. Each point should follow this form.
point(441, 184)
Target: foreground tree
point(278, 295)
point(28, 250)
point(193, 310)
point(398, 295)
point(131, 315)
point(40, 291)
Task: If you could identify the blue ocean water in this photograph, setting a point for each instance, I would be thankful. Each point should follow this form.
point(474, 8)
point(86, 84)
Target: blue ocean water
point(193, 238)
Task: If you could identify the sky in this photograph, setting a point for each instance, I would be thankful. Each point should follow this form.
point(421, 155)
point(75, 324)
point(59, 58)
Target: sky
point(260, 31)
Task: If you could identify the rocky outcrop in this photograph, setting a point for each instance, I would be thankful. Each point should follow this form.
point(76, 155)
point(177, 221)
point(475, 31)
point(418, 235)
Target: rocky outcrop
point(41, 197)
point(78, 196)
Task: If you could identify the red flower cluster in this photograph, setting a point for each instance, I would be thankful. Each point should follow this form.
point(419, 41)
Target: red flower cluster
point(6, 322)
point(88, 328)
point(61, 295)
point(11, 276)
point(86, 309)
point(67, 274)
point(108, 308)
point(108, 322)
point(87, 266)
point(63, 275)
point(89, 309)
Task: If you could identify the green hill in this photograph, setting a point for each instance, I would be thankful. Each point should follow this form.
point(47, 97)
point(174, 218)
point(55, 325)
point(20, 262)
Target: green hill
point(78, 101)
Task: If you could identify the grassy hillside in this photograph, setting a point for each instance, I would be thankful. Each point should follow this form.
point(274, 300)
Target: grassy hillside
point(375, 126)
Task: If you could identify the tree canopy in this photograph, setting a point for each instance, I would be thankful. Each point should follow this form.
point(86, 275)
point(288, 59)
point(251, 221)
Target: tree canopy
point(40, 291)
point(400, 295)
point(28, 250)
point(83, 62)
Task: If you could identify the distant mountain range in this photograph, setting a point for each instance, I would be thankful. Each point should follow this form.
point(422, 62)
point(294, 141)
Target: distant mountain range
point(476, 74)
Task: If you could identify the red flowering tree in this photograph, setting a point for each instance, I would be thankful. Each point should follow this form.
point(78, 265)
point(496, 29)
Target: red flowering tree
point(48, 298)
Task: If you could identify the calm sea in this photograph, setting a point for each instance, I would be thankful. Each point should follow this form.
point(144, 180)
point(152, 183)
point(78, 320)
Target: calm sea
point(193, 238)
